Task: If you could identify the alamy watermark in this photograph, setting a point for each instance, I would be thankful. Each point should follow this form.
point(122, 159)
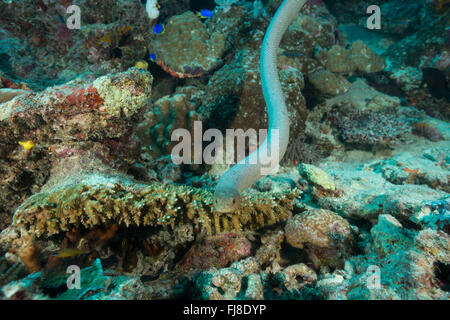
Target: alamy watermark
point(74, 280)
point(190, 149)
point(373, 277)
point(374, 21)
point(74, 20)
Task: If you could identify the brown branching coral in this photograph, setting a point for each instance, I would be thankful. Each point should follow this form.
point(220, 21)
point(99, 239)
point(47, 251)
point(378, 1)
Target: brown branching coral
point(169, 113)
point(113, 201)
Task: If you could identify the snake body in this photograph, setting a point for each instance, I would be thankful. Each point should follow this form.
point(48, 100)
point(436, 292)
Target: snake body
point(250, 169)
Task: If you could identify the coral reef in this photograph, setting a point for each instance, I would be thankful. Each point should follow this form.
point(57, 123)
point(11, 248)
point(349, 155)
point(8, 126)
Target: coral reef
point(358, 208)
point(71, 120)
point(40, 49)
point(82, 201)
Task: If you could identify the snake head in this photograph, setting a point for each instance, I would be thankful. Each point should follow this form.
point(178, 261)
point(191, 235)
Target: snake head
point(226, 200)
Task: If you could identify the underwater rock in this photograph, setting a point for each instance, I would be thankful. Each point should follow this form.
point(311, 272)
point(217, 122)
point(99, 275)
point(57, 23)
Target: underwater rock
point(428, 131)
point(316, 176)
point(217, 251)
point(328, 83)
point(323, 234)
point(77, 102)
point(128, 289)
point(389, 235)
point(407, 169)
point(202, 52)
point(255, 287)
point(365, 59)
point(124, 93)
point(366, 194)
point(434, 215)
point(275, 184)
point(412, 257)
point(270, 250)
point(339, 60)
point(232, 23)
point(369, 128)
point(50, 54)
point(407, 78)
point(288, 277)
point(398, 264)
point(309, 31)
point(363, 97)
point(359, 57)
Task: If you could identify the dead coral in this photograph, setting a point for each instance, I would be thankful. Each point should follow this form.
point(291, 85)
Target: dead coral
point(270, 250)
point(288, 277)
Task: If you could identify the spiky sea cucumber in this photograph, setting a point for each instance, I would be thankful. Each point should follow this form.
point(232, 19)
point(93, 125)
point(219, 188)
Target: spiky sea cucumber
point(249, 170)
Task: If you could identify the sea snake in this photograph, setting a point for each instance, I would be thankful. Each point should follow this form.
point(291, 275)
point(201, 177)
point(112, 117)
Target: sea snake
point(249, 170)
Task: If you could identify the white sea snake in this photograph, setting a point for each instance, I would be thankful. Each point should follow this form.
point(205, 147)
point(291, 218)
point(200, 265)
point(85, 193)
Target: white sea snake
point(249, 170)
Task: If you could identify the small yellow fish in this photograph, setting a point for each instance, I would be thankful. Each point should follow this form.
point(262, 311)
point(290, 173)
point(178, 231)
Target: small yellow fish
point(68, 252)
point(27, 145)
point(142, 65)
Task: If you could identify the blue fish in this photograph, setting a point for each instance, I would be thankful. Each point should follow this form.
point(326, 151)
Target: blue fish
point(152, 57)
point(205, 13)
point(159, 29)
point(61, 19)
point(292, 53)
